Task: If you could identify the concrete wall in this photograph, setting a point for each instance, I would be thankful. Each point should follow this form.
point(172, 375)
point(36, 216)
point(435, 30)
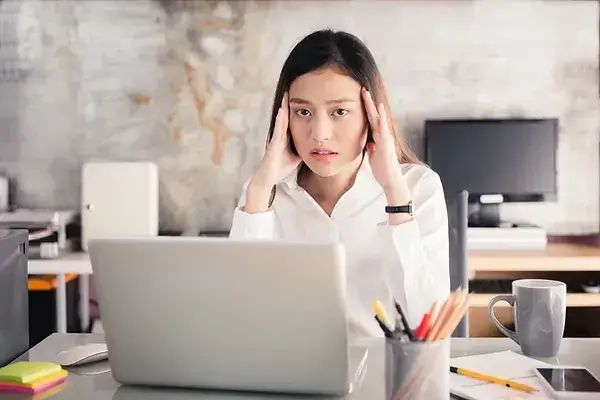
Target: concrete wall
point(189, 86)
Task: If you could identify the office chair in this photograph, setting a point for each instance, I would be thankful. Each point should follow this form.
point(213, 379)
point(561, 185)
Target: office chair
point(457, 205)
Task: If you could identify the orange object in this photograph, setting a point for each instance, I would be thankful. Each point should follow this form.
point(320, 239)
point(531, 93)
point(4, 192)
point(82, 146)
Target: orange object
point(46, 282)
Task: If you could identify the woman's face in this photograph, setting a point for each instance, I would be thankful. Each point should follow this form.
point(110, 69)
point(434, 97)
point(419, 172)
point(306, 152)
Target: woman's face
point(327, 121)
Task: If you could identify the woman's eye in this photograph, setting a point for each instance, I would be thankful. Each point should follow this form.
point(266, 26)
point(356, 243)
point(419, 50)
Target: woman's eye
point(341, 112)
point(303, 112)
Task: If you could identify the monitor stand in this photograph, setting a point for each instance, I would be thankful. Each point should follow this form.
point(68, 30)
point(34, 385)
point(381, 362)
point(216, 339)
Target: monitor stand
point(488, 216)
point(484, 215)
point(487, 232)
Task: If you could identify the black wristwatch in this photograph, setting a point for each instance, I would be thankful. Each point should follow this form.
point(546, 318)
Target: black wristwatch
point(403, 209)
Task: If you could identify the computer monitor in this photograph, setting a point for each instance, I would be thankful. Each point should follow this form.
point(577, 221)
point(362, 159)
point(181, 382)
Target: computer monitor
point(495, 160)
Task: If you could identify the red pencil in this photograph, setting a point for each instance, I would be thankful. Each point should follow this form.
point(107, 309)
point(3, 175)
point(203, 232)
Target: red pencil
point(425, 325)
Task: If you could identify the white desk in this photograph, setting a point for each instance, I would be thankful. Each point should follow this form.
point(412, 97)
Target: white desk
point(74, 263)
point(103, 387)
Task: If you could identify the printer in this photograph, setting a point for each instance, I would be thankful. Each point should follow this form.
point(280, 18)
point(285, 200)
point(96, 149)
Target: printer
point(14, 295)
point(47, 230)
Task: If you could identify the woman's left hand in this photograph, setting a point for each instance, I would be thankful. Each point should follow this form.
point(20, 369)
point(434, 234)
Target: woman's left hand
point(382, 154)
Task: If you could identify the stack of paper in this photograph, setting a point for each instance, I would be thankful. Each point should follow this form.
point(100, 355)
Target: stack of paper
point(504, 364)
point(31, 377)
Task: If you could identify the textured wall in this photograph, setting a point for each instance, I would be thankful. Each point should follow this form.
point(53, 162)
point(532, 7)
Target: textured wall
point(189, 87)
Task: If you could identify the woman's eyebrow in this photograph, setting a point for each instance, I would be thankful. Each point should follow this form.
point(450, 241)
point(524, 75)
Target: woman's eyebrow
point(335, 101)
point(342, 100)
point(299, 101)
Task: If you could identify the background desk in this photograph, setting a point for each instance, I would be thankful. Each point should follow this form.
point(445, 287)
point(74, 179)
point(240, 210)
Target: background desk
point(75, 263)
point(556, 258)
point(571, 263)
point(103, 387)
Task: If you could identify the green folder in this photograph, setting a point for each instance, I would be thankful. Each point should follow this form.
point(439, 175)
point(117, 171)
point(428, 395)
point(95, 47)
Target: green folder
point(27, 371)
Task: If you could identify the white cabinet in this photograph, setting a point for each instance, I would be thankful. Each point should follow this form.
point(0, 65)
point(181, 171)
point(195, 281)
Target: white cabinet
point(119, 199)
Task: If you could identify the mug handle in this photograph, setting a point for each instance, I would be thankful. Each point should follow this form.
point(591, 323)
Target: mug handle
point(510, 299)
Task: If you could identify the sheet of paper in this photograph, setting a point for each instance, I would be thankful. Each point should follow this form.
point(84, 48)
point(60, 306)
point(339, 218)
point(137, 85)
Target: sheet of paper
point(503, 364)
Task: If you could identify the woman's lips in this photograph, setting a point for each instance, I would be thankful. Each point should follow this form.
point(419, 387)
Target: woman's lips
point(323, 154)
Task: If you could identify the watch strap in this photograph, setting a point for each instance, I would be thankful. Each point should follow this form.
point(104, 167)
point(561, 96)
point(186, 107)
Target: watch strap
point(402, 209)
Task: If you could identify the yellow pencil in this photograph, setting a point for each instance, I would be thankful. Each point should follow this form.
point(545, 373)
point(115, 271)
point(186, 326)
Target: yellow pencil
point(493, 379)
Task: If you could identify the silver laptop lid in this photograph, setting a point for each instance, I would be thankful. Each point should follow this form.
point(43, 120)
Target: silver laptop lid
point(219, 313)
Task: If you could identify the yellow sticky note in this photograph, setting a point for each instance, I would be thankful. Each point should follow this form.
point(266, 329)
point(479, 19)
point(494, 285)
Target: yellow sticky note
point(28, 371)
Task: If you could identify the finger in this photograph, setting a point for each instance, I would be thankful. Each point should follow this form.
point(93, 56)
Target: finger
point(384, 128)
point(276, 137)
point(285, 105)
point(371, 110)
point(284, 117)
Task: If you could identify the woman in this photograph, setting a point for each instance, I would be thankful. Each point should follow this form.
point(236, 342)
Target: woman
point(333, 169)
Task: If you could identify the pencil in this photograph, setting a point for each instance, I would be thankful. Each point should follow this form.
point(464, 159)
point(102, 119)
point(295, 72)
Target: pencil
point(426, 322)
point(442, 317)
point(493, 379)
point(454, 318)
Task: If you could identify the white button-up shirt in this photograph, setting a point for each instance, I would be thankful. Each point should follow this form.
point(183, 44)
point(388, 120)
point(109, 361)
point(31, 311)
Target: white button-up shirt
point(407, 262)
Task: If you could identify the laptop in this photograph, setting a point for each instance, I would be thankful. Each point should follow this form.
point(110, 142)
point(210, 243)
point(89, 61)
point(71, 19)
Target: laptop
point(216, 313)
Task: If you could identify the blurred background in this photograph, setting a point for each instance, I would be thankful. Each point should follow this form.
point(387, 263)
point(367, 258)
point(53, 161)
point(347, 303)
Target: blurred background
point(188, 86)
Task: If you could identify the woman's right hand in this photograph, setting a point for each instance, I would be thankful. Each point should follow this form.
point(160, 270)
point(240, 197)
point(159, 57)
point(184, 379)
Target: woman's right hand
point(277, 163)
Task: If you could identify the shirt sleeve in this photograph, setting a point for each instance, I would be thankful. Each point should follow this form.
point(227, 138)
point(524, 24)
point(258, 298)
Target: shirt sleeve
point(251, 226)
point(416, 253)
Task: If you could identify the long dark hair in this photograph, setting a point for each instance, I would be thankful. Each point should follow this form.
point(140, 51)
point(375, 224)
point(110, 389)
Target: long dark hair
point(347, 53)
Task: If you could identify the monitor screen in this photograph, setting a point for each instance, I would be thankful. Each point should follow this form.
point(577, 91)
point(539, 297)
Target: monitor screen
point(515, 158)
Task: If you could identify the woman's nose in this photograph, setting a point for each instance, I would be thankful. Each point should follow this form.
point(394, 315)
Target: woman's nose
point(321, 130)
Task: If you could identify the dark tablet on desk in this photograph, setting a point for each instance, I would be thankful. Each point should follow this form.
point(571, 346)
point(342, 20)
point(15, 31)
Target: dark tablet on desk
point(570, 381)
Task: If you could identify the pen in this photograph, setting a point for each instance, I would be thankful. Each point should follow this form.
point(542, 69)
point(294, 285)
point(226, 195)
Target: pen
point(383, 320)
point(397, 326)
point(493, 379)
point(381, 314)
point(386, 331)
point(407, 331)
